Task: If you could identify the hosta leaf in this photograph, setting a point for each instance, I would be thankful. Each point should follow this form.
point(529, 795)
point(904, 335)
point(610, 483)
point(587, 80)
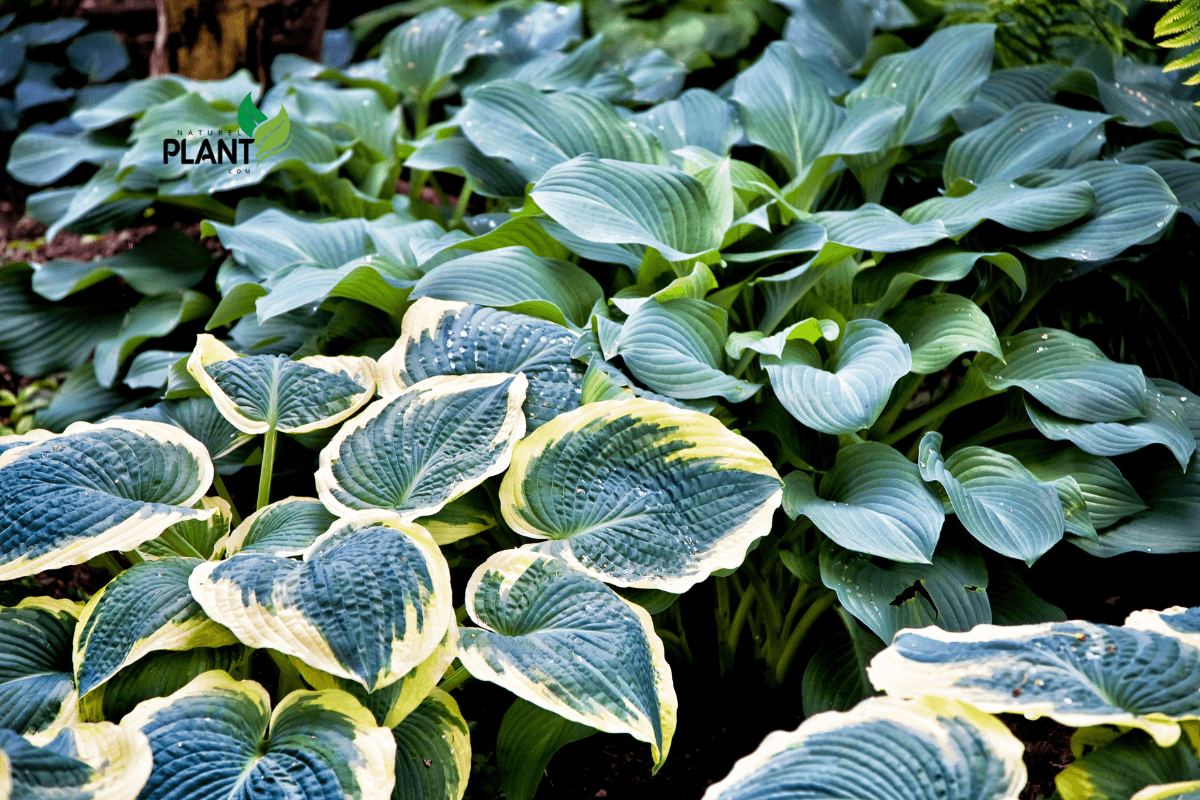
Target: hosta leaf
point(137, 96)
point(433, 751)
point(1108, 495)
point(938, 328)
point(370, 601)
point(151, 318)
point(535, 131)
point(256, 393)
point(1182, 623)
point(193, 538)
point(284, 528)
point(165, 262)
point(884, 286)
point(810, 330)
point(516, 279)
point(1134, 767)
point(1067, 373)
point(422, 54)
point(604, 200)
point(873, 500)
point(639, 493)
point(490, 177)
point(697, 118)
point(585, 653)
point(873, 227)
point(678, 348)
point(1006, 89)
point(208, 743)
point(269, 241)
point(1009, 204)
point(1133, 204)
point(374, 279)
point(932, 80)
point(465, 516)
point(37, 687)
point(96, 488)
point(995, 498)
point(949, 592)
point(434, 341)
point(1163, 421)
point(417, 451)
point(1028, 137)
point(884, 747)
point(835, 678)
point(147, 607)
point(1168, 525)
point(39, 158)
point(849, 391)
point(528, 738)
point(83, 762)
point(1075, 672)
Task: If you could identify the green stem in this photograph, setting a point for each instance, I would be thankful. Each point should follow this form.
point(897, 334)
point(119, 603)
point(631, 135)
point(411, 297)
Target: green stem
point(234, 517)
point(934, 415)
point(456, 679)
point(1002, 428)
point(110, 563)
point(180, 545)
point(905, 389)
point(797, 604)
point(460, 614)
point(268, 466)
point(461, 208)
point(784, 664)
point(132, 556)
point(739, 620)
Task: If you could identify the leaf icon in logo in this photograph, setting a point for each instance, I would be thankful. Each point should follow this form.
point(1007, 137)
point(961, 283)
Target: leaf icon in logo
point(248, 116)
point(273, 135)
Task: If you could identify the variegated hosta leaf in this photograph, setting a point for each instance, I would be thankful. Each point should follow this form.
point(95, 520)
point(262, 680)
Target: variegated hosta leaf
point(873, 500)
point(256, 393)
point(465, 516)
point(849, 392)
point(950, 592)
point(96, 488)
point(444, 338)
point(1182, 623)
point(201, 419)
point(22, 439)
point(84, 762)
point(147, 607)
point(417, 451)
point(194, 538)
point(1134, 767)
point(217, 739)
point(37, 687)
point(370, 601)
point(1068, 374)
point(568, 643)
point(1076, 672)
point(284, 528)
point(996, 499)
point(639, 493)
point(926, 749)
point(433, 751)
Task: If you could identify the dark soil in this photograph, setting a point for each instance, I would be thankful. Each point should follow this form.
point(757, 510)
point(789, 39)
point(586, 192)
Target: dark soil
point(1047, 751)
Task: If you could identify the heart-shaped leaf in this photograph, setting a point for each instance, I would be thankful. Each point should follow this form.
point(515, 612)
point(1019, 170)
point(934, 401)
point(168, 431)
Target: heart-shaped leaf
point(258, 393)
point(433, 751)
point(94, 489)
point(876, 748)
point(96, 762)
point(37, 687)
point(528, 738)
point(420, 56)
point(285, 528)
point(872, 500)
point(220, 736)
point(433, 342)
point(588, 655)
point(417, 451)
point(640, 493)
point(939, 328)
point(697, 118)
point(370, 600)
point(147, 607)
point(849, 391)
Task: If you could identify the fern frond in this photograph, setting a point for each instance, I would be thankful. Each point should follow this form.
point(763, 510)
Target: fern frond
point(1184, 40)
point(1188, 61)
point(1182, 17)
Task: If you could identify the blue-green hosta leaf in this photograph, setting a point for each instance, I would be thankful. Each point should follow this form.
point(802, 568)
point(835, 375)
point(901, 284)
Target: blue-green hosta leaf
point(1029, 137)
point(1182, 623)
point(640, 493)
point(528, 738)
point(1006, 89)
point(884, 286)
point(535, 131)
point(1133, 204)
point(1162, 421)
point(444, 338)
point(697, 118)
point(370, 601)
point(619, 202)
point(996, 499)
point(284, 528)
point(1075, 672)
point(433, 751)
point(99, 55)
point(884, 747)
point(938, 328)
point(810, 330)
point(1109, 497)
point(490, 177)
point(165, 262)
point(1142, 96)
point(84, 762)
point(217, 739)
point(199, 417)
point(151, 318)
point(96, 488)
point(678, 348)
point(1134, 767)
point(949, 592)
point(37, 686)
point(269, 241)
point(1168, 525)
point(835, 678)
point(137, 96)
point(873, 500)
point(930, 81)
point(39, 158)
point(516, 279)
point(569, 644)
point(416, 451)
point(147, 607)
point(873, 227)
point(1187, 399)
point(193, 538)
point(21, 439)
point(849, 391)
point(422, 55)
point(348, 115)
point(374, 279)
point(1009, 204)
point(256, 393)
point(1069, 374)
point(527, 232)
